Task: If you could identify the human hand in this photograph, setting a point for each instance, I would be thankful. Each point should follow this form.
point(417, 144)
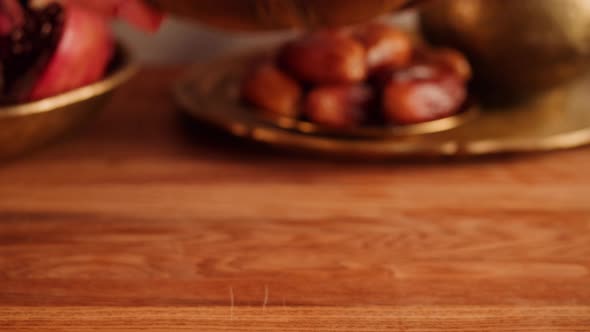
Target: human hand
point(136, 12)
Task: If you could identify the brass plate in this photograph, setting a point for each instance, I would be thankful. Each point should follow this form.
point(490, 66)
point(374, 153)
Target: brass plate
point(228, 85)
point(30, 125)
point(557, 120)
point(469, 112)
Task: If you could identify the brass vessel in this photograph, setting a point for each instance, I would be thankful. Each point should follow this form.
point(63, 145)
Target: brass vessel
point(469, 112)
point(556, 120)
point(227, 76)
point(518, 47)
point(31, 125)
point(278, 14)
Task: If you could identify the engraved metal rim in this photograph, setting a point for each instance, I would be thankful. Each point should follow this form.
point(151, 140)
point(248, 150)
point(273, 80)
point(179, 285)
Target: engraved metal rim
point(469, 111)
point(121, 74)
point(274, 136)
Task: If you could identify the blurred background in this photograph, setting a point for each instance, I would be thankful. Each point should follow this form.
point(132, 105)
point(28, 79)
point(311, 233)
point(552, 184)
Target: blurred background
point(182, 42)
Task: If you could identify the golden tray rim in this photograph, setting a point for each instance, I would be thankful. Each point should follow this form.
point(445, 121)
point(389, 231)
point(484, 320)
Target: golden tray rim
point(548, 122)
point(469, 111)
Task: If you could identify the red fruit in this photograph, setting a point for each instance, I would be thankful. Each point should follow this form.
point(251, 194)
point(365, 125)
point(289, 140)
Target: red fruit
point(422, 94)
point(11, 15)
point(26, 47)
point(339, 106)
point(272, 91)
point(5, 24)
point(325, 57)
point(387, 47)
point(449, 58)
point(81, 57)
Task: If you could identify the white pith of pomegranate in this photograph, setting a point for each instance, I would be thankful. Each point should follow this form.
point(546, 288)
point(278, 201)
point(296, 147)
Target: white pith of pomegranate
point(81, 57)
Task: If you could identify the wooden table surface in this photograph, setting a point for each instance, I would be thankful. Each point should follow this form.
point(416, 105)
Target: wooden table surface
point(145, 223)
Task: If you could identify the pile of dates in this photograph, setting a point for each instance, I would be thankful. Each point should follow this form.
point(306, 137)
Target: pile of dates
point(48, 48)
point(369, 75)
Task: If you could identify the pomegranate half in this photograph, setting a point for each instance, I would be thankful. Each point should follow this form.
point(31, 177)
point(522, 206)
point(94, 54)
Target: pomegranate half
point(81, 56)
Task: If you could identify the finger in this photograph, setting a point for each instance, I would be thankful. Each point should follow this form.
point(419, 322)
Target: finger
point(140, 15)
point(136, 12)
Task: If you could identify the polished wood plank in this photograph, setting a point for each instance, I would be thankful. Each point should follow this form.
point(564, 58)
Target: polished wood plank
point(410, 319)
point(145, 222)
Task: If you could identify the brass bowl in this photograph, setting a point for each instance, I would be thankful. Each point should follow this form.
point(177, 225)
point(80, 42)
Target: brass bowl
point(27, 126)
point(518, 48)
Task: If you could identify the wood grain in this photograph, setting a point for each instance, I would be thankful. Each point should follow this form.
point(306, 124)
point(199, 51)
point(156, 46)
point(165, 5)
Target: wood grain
point(409, 319)
point(146, 223)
